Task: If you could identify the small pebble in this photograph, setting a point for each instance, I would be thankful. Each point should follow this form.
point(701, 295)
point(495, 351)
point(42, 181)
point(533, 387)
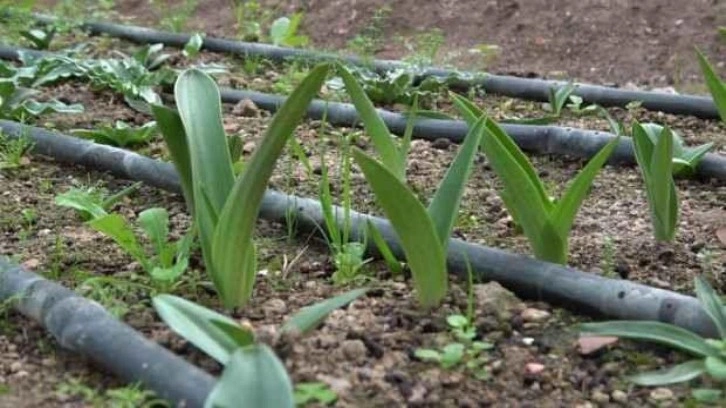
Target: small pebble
point(534, 368)
point(354, 349)
point(532, 315)
point(661, 394)
point(600, 397)
point(275, 306)
point(619, 396)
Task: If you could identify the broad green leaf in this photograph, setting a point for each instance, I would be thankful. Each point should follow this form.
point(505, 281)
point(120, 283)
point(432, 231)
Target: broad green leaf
point(715, 367)
point(676, 374)
point(172, 128)
point(82, 202)
point(254, 377)
point(715, 85)
point(444, 206)
point(233, 252)
point(116, 227)
point(416, 231)
point(279, 30)
point(693, 156)
point(712, 304)
point(530, 202)
point(198, 325)
point(310, 316)
point(567, 206)
point(374, 125)
point(427, 355)
point(658, 332)
point(707, 395)
point(192, 47)
point(155, 223)
point(241, 336)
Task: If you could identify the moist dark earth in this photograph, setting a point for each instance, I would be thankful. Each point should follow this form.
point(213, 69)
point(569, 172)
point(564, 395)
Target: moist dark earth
point(365, 352)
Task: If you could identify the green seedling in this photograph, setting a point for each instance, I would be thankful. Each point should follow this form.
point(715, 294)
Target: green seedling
point(710, 354)
point(93, 202)
point(39, 37)
point(397, 86)
point(170, 259)
point(150, 56)
point(284, 31)
point(560, 97)
point(251, 17)
point(545, 221)
point(464, 350)
point(194, 45)
point(423, 232)
point(348, 256)
point(384, 250)
point(120, 134)
point(371, 38)
point(13, 151)
point(17, 103)
point(715, 85)
point(306, 393)
point(225, 210)
point(685, 159)
point(253, 375)
point(174, 16)
point(653, 145)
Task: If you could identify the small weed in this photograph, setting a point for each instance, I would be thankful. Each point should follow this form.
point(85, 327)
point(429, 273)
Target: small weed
point(174, 16)
point(608, 258)
point(131, 396)
point(371, 39)
point(311, 392)
point(251, 18)
point(13, 151)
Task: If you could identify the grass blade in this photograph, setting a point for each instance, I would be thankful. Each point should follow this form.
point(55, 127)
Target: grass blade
point(661, 173)
point(470, 112)
point(233, 248)
point(416, 231)
point(657, 332)
point(444, 206)
point(374, 125)
point(384, 249)
point(311, 316)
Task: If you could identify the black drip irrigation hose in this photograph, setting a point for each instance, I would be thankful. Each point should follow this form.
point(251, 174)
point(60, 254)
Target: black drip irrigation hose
point(540, 139)
point(85, 327)
point(529, 278)
point(523, 88)
point(554, 140)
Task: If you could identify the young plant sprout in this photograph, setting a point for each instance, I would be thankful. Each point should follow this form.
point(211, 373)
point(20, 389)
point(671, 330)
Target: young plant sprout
point(253, 375)
point(120, 134)
point(424, 232)
point(92, 202)
point(170, 259)
point(545, 220)
point(225, 209)
point(710, 354)
point(653, 145)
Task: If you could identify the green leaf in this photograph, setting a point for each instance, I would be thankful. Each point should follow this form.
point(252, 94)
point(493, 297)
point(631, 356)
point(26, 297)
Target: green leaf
point(241, 336)
point(279, 29)
point(712, 304)
point(658, 332)
point(707, 395)
point(116, 227)
point(199, 325)
point(172, 128)
point(676, 374)
point(427, 355)
point(233, 251)
point(424, 253)
point(374, 125)
point(155, 223)
point(310, 316)
point(452, 354)
point(715, 367)
point(566, 208)
point(444, 206)
point(83, 201)
point(466, 108)
point(254, 377)
point(457, 321)
point(393, 264)
point(192, 47)
point(715, 85)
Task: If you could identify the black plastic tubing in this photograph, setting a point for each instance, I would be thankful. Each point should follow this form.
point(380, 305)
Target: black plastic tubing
point(540, 139)
point(554, 140)
point(579, 291)
point(85, 327)
point(524, 88)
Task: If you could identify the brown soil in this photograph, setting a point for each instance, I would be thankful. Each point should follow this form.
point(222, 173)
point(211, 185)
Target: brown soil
point(643, 43)
point(365, 352)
